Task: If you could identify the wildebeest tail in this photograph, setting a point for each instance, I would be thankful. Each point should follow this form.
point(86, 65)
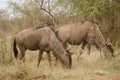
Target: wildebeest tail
point(15, 49)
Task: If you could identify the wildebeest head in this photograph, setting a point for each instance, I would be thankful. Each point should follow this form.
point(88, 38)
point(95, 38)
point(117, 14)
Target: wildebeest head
point(66, 60)
point(100, 40)
point(110, 48)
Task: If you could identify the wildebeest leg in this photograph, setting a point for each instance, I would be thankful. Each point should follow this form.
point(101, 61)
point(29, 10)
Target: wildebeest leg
point(56, 58)
point(81, 50)
point(56, 61)
point(89, 48)
point(39, 57)
point(100, 49)
point(101, 53)
point(49, 58)
point(22, 53)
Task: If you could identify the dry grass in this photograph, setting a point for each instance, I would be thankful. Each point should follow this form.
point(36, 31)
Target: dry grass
point(88, 67)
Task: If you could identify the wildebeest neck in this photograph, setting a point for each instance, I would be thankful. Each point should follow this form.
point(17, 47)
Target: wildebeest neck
point(100, 40)
point(56, 45)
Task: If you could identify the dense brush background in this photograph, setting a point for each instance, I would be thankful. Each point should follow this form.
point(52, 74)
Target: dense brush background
point(21, 14)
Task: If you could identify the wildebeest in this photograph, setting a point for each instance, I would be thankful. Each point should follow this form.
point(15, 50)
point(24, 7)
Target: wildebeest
point(85, 33)
point(42, 39)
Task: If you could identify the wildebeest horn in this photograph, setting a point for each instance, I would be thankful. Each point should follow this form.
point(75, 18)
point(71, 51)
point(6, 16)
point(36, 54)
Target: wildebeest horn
point(69, 52)
point(108, 44)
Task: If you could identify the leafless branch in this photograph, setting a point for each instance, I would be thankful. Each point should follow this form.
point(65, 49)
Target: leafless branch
point(47, 10)
point(49, 6)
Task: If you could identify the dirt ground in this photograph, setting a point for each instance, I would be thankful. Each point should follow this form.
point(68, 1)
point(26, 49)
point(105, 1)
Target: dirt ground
point(115, 77)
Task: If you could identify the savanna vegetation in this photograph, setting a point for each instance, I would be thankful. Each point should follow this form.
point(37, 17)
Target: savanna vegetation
point(22, 14)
